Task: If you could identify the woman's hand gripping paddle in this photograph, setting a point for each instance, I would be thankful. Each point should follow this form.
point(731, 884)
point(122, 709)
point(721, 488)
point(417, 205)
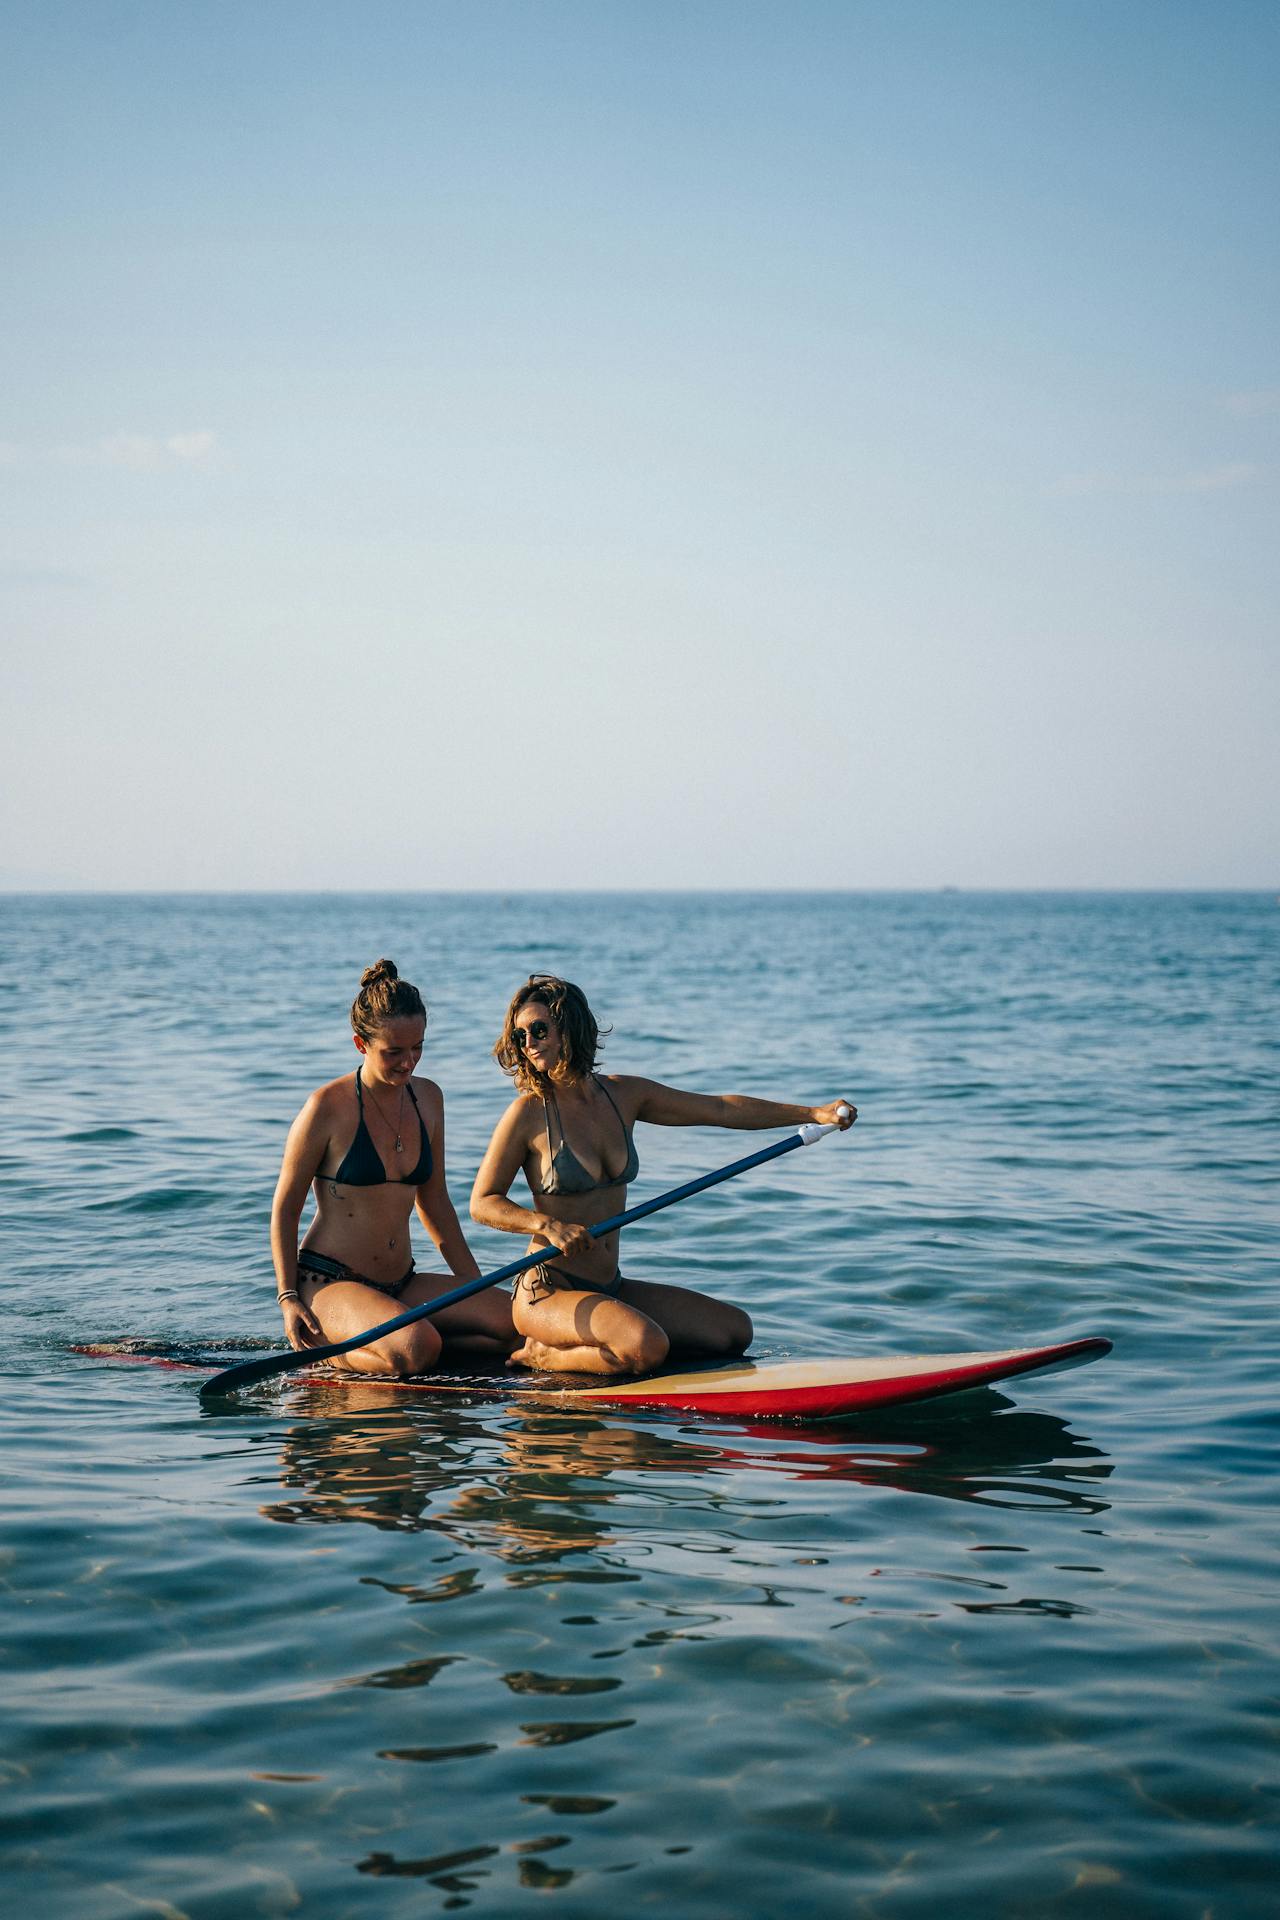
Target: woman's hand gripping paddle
point(231, 1379)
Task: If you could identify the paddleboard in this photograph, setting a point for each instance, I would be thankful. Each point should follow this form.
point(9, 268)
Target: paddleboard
point(793, 1390)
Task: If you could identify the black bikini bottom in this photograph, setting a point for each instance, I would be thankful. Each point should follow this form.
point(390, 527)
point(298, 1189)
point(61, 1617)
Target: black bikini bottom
point(322, 1272)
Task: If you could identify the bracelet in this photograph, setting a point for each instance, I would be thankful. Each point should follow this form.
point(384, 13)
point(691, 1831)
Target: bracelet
point(290, 1293)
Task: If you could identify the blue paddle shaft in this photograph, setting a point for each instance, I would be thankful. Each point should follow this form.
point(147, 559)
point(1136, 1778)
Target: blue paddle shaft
point(232, 1378)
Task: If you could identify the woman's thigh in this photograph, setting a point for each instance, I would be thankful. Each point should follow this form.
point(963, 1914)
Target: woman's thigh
point(347, 1308)
point(565, 1317)
point(690, 1320)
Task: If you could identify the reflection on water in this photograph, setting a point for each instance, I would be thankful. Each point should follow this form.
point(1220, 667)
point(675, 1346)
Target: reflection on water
point(443, 1870)
point(549, 1479)
point(991, 1452)
point(710, 1559)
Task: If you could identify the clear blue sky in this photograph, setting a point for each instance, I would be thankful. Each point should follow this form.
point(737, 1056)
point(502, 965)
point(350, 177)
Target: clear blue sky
point(640, 443)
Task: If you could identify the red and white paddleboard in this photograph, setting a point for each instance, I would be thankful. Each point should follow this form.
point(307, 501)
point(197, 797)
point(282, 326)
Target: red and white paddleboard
point(758, 1390)
point(830, 1389)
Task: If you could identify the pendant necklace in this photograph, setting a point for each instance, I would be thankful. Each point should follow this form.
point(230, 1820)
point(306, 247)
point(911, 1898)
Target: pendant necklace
point(386, 1123)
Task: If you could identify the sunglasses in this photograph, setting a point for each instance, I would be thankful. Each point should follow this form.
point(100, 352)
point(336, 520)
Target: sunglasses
point(530, 1035)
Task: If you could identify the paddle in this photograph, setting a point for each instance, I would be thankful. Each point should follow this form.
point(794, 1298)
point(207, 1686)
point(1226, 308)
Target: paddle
point(231, 1379)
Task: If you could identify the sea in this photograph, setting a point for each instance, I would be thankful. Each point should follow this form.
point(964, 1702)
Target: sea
point(358, 1655)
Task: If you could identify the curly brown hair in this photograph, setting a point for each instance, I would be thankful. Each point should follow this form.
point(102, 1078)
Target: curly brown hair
point(383, 996)
point(579, 1035)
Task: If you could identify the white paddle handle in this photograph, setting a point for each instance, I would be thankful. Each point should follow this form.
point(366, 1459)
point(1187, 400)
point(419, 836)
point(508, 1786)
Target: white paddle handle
point(811, 1132)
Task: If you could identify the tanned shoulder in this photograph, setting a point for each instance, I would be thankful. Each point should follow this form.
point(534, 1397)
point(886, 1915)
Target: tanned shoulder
point(429, 1096)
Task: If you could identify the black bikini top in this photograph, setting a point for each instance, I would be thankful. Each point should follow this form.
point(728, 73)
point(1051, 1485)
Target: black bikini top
point(362, 1164)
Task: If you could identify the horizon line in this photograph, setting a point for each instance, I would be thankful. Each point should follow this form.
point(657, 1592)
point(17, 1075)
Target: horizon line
point(480, 893)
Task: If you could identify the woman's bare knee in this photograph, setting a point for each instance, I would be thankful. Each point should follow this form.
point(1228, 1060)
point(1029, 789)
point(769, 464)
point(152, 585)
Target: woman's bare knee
point(414, 1349)
point(641, 1348)
point(733, 1332)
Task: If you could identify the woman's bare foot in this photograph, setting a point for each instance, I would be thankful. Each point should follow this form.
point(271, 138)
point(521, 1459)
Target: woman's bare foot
point(598, 1360)
point(535, 1354)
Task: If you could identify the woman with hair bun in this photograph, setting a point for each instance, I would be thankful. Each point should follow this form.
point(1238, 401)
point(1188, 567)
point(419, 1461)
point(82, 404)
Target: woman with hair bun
point(371, 1146)
point(570, 1131)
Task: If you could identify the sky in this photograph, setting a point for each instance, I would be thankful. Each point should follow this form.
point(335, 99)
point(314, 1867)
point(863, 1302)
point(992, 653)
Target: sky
point(639, 443)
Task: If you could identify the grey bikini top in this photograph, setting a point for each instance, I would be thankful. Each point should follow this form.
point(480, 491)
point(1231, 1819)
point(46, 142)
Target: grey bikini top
point(567, 1173)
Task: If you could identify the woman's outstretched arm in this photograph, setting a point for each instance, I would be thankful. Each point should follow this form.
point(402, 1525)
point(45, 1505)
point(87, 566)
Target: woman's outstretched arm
point(671, 1107)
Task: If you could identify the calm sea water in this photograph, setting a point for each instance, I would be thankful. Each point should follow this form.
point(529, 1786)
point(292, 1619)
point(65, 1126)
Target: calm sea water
point(1013, 1655)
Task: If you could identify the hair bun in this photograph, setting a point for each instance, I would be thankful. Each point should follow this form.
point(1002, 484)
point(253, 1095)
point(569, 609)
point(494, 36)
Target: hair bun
point(384, 996)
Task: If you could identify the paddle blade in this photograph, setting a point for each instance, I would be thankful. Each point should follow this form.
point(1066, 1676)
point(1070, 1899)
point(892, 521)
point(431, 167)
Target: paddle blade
point(231, 1379)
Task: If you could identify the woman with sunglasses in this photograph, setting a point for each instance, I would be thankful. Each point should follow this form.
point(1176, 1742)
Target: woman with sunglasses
point(371, 1147)
point(570, 1132)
